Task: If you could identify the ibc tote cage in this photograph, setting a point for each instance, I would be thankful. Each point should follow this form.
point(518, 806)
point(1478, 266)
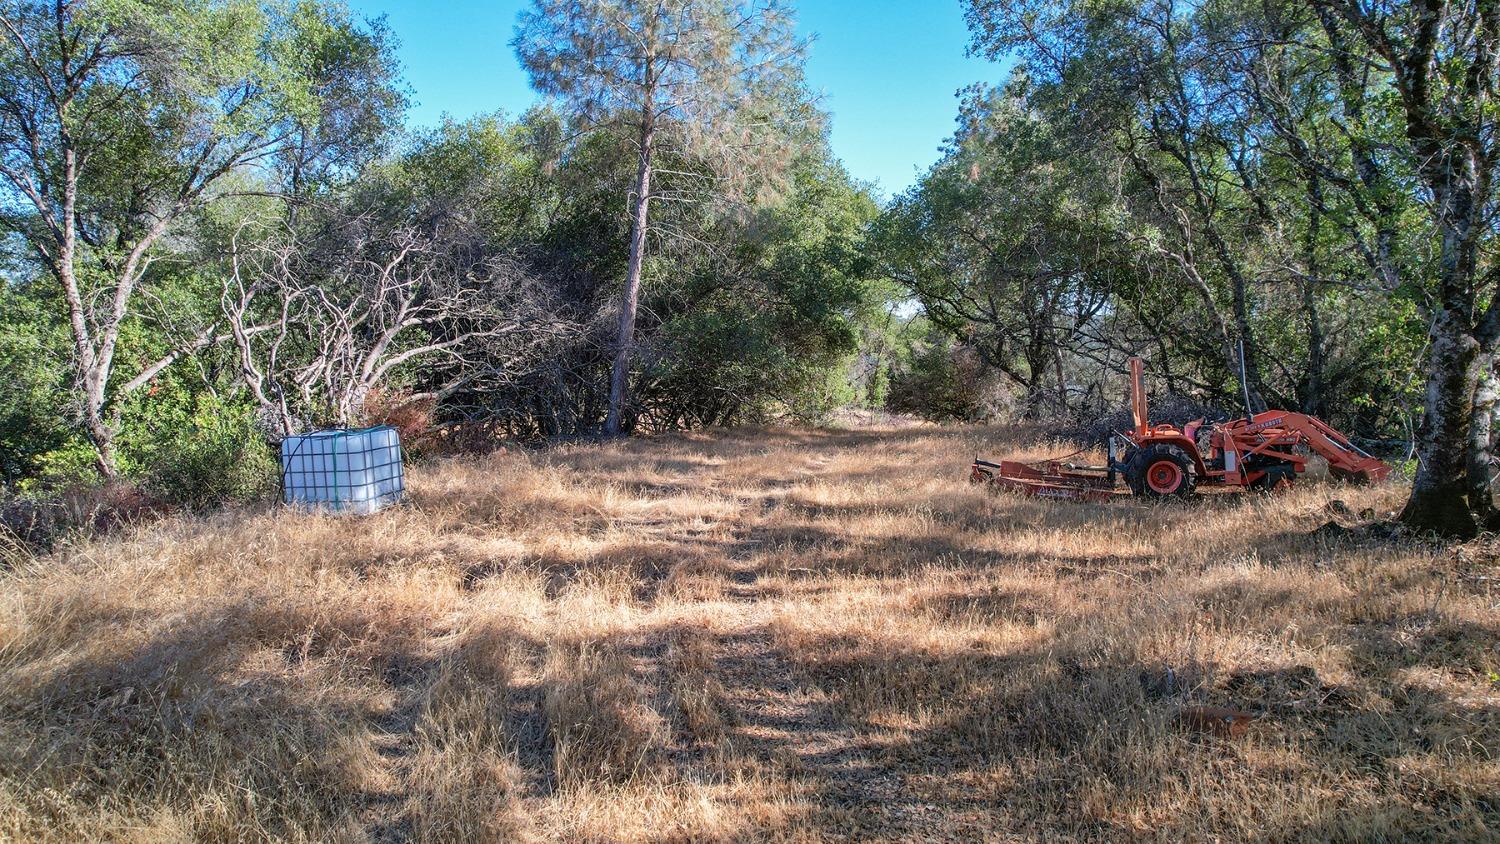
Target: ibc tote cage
point(343, 470)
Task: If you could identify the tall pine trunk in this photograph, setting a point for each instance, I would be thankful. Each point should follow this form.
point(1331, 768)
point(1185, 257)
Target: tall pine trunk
point(619, 380)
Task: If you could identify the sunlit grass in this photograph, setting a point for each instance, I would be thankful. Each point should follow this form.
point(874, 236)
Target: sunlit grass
point(751, 635)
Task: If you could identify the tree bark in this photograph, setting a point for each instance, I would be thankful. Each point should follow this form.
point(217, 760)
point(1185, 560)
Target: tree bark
point(1312, 399)
point(619, 381)
point(1443, 497)
point(1440, 493)
point(1481, 457)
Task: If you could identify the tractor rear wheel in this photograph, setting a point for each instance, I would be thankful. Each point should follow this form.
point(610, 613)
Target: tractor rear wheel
point(1159, 471)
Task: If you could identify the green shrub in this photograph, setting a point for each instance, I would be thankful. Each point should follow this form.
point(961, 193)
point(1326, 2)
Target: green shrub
point(68, 466)
point(943, 381)
point(34, 402)
point(221, 458)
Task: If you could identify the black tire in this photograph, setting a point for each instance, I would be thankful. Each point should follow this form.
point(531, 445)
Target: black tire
point(1138, 472)
point(1273, 477)
point(1351, 478)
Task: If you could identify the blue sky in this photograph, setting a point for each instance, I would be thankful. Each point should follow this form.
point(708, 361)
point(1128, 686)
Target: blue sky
point(887, 69)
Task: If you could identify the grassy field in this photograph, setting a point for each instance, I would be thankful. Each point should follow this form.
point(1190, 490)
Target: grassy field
point(753, 635)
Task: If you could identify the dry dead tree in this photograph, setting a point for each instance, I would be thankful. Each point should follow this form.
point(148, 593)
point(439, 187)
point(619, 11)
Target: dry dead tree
point(319, 320)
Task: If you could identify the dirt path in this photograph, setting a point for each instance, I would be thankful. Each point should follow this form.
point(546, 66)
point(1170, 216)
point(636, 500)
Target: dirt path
point(776, 717)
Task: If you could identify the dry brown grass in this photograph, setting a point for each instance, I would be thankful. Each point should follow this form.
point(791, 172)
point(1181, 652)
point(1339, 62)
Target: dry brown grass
point(751, 635)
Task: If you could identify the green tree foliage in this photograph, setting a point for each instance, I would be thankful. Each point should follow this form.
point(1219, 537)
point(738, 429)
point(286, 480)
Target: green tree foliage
point(711, 88)
point(221, 237)
point(119, 120)
point(214, 458)
point(1009, 245)
point(215, 231)
point(939, 379)
point(34, 402)
point(1044, 251)
point(769, 328)
point(1314, 181)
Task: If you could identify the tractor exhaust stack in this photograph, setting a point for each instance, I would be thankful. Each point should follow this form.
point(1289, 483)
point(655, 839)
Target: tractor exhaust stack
point(1138, 397)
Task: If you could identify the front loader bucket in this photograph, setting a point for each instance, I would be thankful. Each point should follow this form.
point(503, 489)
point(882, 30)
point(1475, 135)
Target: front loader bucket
point(1044, 480)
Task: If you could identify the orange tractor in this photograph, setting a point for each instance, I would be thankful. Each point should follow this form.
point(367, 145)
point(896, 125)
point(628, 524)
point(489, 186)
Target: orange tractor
point(1261, 451)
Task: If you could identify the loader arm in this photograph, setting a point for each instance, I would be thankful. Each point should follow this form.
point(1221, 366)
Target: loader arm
point(1346, 460)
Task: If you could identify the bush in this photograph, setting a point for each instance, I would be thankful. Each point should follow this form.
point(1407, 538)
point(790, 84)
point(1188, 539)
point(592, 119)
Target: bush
point(36, 523)
point(1173, 408)
point(944, 382)
point(69, 466)
point(34, 403)
point(221, 459)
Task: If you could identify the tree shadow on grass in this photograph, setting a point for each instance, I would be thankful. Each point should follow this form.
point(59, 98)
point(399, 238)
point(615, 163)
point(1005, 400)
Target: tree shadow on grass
point(293, 725)
point(177, 718)
point(819, 549)
point(1025, 739)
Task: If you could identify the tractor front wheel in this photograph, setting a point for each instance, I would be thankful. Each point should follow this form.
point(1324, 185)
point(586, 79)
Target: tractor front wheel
point(1159, 471)
point(1281, 476)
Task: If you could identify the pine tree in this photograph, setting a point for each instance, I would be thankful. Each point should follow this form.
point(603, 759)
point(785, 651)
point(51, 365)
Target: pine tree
point(715, 82)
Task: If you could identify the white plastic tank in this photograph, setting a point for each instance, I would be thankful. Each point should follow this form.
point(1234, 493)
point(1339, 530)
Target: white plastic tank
point(343, 471)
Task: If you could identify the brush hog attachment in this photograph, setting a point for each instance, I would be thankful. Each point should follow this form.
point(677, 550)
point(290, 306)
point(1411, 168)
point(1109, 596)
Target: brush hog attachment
point(1047, 479)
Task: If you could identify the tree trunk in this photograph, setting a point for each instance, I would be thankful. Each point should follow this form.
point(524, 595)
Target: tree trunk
point(1440, 494)
point(619, 381)
point(1312, 398)
point(1448, 496)
point(90, 372)
point(102, 436)
point(1062, 380)
point(1481, 458)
